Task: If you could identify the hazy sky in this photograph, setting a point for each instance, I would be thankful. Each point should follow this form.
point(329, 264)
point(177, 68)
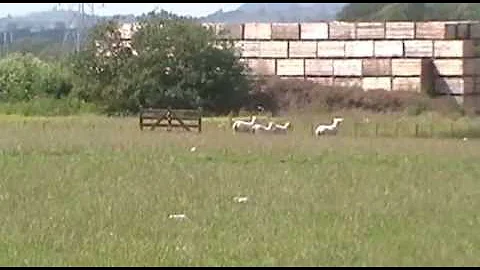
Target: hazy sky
point(17, 9)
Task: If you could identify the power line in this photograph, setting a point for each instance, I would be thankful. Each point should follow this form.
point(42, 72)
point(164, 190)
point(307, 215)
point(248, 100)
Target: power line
point(79, 21)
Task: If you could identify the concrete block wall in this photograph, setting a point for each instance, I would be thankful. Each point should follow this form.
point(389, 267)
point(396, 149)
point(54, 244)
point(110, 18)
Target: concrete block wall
point(393, 56)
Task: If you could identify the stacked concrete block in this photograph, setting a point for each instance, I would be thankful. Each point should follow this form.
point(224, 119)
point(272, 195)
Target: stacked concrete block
point(388, 48)
point(257, 31)
point(349, 82)
point(359, 49)
point(229, 31)
point(413, 84)
point(451, 31)
point(302, 49)
point(290, 67)
point(397, 56)
point(377, 67)
point(410, 67)
point(285, 31)
point(369, 30)
point(463, 30)
point(394, 56)
point(318, 67)
point(347, 67)
point(400, 30)
point(412, 74)
point(430, 30)
point(341, 30)
point(453, 48)
point(474, 31)
point(314, 31)
point(331, 49)
point(455, 67)
point(273, 49)
point(247, 48)
point(265, 67)
point(418, 48)
point(455, 86)
point(377, 83)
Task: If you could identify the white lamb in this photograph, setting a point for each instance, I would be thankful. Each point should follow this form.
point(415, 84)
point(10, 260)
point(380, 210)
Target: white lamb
point(261, 128)
point(281, 129)
point(328, 129)
point(243, 126)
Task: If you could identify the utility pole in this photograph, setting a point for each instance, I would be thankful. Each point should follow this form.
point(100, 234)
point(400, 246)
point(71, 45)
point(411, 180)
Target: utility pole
point(11, 38)
point(5, 44)
point(81, 23)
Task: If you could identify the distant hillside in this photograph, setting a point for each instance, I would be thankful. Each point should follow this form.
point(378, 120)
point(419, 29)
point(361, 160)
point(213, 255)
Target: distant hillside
point(46, 34)
point(409, 11)
point(277, 12)
point(38, 21)
point(52, 33)
point(251, 12)
point(268, 12)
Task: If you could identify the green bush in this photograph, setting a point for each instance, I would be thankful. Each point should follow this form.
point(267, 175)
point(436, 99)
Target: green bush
point(24, 77)
point(47, 107)
point(178, 63)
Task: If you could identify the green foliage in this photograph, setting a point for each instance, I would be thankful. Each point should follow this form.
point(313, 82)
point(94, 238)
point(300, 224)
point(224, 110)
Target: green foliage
point(47, 107)
point(360, 11)
point(29, 86)
point(454, 11)
point(409, 11)
point(190, 68)
point(97, 70)
point(417, 108)
point(170, 62)
point(24, 77)
point(383, 11)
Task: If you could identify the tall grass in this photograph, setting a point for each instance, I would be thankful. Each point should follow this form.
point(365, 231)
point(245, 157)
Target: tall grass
point(48, 107)
point(97, 191)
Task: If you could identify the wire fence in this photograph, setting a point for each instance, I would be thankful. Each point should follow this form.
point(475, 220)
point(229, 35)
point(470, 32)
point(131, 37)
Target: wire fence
point(418, 130)
point(440, 129)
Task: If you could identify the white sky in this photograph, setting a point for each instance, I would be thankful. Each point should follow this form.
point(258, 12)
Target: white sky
point(201, 9)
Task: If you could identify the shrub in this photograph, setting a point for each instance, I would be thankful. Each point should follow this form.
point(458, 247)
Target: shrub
point(24, 77)
point(177, 63)
point(281, 95)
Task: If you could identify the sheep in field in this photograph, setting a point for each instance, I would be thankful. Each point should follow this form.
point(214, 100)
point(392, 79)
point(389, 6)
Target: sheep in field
point(261, 128)
point(244, 126)
point(324, 129)
point(282, 129)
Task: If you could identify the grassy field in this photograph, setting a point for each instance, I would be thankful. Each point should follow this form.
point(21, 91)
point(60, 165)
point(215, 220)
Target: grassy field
point(94, 191)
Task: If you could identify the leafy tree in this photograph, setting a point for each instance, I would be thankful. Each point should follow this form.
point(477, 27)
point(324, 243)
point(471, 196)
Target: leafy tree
point(98, 68)
point(170, 62)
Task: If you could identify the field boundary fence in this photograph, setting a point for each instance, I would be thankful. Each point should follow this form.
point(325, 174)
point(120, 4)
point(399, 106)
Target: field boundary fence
point(416, 130)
